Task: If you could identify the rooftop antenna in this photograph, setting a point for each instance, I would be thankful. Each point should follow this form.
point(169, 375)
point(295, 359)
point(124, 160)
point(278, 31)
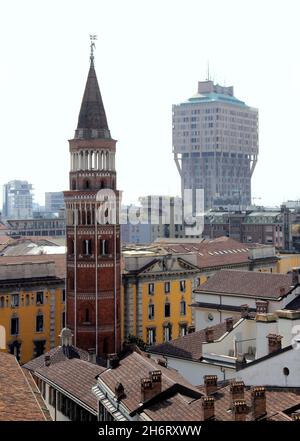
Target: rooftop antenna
point(92, 46)
point(208, 74)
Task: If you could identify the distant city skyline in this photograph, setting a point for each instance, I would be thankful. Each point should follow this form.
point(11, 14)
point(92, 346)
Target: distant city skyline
point(145, 64)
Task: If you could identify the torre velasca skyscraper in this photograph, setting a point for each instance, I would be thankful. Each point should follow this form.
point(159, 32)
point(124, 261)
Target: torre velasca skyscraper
point(93, 245)
point(215, 145)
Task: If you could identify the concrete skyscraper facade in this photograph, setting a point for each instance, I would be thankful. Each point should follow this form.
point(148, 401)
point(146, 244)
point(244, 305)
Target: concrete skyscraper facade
point(215, 145)
point(93, 247)
point(17, 200)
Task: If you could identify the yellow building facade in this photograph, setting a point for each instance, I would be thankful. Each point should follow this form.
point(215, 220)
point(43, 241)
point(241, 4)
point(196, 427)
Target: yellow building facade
point(156, 296)
point(287, 262)
point(32, 308)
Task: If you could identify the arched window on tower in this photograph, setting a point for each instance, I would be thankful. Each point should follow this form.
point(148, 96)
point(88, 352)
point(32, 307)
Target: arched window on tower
point(87, 184)
point(87, 247)
point(88, 217)
point(104, 247)
point(87, 315)
point(73, 184)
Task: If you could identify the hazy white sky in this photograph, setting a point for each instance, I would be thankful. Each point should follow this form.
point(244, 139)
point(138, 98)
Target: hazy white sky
point(150, 54)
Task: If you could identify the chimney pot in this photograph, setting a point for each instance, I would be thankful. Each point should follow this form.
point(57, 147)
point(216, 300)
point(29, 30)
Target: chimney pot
point(261, 307)
point(209, 335)
point(112, 361)
point(92, 355)
point(296, 416)
point(191, 329)
point(237, 389)
point(155, 377)
point(229, 324)
point(208, 408)
point(146, 389)
point(244, 311)
point(119, 391)
point(239, 410)
point(274, 342)
point(295, 274)
point(210, 383)
point(259, 402)
point(47, 360)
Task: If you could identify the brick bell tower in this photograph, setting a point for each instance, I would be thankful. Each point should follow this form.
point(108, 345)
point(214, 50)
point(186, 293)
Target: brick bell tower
point(93, 247)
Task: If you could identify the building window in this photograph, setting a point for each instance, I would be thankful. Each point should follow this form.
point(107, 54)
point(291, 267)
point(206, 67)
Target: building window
point(39, 323)
point(150, 312)
point(104, 247)
point(63, 319)
point(182, 307)
point(63, 295)
point(182, 285)
point(151, 288)
point(87, 315)
point(14, 326)
point(167, 333)
point(2, 302)
point(87, 247)
point(151, 336)
point(167, 309)
point(167, 287)
point(15, 300)
point(39, 347)
point(27, 301)
point(182, 330)
point(40, 298)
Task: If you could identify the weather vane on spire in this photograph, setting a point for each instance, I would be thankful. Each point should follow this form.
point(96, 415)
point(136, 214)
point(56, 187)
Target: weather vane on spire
point(92, 46)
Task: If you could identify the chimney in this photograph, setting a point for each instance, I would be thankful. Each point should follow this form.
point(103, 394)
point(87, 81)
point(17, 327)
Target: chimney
point(210, 383)
point(259, 402)
point(119, 391)
point(155, 377)
point(274, 342)
point(112, 361)
point(66, 337)
point(209, 335)
point(237, 389)
point(261, 307)
point(229, 324)
point(296, 416)
point(146, 389)
point(244, 311)
point(240, 361)
point(239, 410)
point(191, 329)
point(47, 359)
point(162, 362)
point(92, 355)
point(208, 408)
point(295, 276)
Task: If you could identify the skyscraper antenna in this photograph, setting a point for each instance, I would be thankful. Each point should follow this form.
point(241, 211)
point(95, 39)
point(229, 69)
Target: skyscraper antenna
point(92, 46)
point(208, 74)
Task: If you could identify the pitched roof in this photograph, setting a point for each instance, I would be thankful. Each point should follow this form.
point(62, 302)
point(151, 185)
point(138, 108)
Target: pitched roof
point(218, 252)
point(181, 401)
point(57, 355)
point(189, 346)
point(248, 284)
point(92, 114)
point(58, 259)
point(279, 400)
point(17, 399)
point(75, 376)
point(131, 369)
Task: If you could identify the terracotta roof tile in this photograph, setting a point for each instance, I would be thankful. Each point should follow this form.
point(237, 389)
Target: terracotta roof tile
point(248, 284)
point(17, 399)
point(189, 346)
